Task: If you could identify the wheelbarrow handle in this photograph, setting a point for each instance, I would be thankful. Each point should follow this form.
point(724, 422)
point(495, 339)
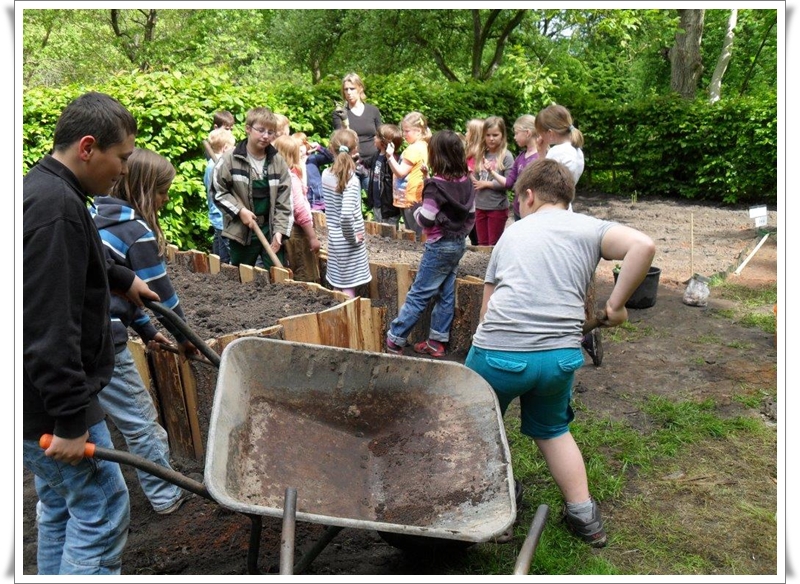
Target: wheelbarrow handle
point(91, 450)
point(265, 244)
point(184, 328)
point(523, 564)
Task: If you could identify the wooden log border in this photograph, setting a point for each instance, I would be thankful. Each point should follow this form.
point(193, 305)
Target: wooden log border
point(357, 323)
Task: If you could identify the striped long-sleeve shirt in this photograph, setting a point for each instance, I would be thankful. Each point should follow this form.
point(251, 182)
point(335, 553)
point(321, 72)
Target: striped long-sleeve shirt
point(348, 263)
point(130, 242)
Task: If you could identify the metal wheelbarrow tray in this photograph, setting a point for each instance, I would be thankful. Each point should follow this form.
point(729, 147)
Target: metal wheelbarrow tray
point(369, 440)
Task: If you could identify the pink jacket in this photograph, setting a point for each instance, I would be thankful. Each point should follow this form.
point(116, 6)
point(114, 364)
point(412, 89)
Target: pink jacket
point(302, 210)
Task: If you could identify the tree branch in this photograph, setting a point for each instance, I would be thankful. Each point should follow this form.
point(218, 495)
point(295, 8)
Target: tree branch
point(438, 58)
point(501, 44)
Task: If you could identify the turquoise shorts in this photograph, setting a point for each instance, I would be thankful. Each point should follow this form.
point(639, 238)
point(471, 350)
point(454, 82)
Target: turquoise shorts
point(541, 379)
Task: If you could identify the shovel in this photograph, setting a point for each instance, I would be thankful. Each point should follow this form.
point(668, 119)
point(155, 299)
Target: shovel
point(267, 248)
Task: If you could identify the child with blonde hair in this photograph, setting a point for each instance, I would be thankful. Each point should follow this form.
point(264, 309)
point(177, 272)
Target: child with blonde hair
point(554, 124)
point(303, 243)
point(281, 125)
point(527, 138)
point(491, 201)
point(474, 142)
point(348, 264)
point(410, 171)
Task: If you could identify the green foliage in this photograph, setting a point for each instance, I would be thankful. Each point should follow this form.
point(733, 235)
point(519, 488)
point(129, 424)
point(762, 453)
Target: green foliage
point(670, 147)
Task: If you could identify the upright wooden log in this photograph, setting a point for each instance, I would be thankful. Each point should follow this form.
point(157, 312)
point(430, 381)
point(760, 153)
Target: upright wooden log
point(338, 326)
point(279, 274)
point(404, 281)
point(173, 407)
point(190, 397)
point(469, 297)
point(214, 263)
point(246, 273)
point(230, 272)
point(172, 251)
point(387, 230)
point(139, 353)
point(302, 328)
point(319, 219)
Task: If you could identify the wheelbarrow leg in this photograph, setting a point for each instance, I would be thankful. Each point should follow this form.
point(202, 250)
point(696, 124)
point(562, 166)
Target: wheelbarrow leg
point(309, 556)
point(255, 544)
point(287, 533)
point(523, 565)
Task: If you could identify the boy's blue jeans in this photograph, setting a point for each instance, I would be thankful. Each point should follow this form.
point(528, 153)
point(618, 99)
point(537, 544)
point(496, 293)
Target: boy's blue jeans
point(221, 247)
point(85, 510)
point(129, 405)
point(436, 275)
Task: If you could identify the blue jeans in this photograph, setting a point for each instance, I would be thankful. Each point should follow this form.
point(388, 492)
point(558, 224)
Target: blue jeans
point(129, 405)
point(436, 275)
point(85, 510)
point(220, 247)
point(541, 379)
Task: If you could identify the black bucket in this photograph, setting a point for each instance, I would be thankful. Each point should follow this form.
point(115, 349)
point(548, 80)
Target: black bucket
point(645, 295)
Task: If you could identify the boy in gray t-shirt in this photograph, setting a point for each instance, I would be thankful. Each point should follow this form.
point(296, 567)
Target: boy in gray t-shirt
point(528, 343)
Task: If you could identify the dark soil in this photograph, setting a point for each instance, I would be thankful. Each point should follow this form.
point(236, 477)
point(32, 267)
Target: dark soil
point(204, 538)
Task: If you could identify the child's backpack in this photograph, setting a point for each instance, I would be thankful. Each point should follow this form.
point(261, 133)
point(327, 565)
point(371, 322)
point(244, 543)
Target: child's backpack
point(380, 189)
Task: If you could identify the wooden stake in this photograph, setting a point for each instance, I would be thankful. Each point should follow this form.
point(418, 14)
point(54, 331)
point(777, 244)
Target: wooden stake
point(752, 253)
point(691, 246)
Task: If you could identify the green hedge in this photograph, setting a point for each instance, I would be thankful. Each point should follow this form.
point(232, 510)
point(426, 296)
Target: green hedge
point(725, 152)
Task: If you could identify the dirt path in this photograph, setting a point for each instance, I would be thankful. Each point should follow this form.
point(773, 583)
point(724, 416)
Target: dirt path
point(671, 359)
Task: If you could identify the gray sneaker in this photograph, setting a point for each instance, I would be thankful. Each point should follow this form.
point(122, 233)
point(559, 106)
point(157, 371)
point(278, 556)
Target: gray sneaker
point(185, 496)
point(591, 531)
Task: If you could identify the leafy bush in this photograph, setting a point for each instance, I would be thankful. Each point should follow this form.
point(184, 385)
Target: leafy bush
point(725, 152)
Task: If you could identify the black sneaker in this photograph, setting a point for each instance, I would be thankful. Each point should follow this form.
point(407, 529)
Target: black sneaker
point(591, 531)
point(592, 343)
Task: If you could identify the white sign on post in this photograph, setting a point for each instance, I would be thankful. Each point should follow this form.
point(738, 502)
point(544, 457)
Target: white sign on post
point(759, 213)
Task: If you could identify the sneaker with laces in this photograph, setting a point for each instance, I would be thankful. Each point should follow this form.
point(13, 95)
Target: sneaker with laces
point(185, 496)
point(590, 530)
point(592, 343)
point(430, 347)
point(392, 347)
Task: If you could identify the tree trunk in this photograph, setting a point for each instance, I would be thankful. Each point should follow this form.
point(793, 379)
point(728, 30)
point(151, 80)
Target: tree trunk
point(715, 87)
point(687, 65)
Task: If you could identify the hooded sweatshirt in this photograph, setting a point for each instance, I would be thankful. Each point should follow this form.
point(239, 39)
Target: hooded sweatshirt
point(448, 208)
point(130, 242)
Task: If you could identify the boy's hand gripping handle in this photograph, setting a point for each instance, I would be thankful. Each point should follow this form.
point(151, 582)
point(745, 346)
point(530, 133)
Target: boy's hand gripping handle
point(47, 439)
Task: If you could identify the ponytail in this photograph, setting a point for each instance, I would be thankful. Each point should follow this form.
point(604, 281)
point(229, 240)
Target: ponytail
point(343, 145)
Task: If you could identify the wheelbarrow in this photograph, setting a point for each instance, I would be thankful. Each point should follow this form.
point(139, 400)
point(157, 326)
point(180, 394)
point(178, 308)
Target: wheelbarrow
point(412, 448)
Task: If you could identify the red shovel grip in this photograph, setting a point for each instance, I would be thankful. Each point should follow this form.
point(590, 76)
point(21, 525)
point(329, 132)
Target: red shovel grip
point(47, 439)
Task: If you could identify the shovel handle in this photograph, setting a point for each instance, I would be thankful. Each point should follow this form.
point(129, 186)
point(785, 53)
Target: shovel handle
point(47, 439)
point(267, 248)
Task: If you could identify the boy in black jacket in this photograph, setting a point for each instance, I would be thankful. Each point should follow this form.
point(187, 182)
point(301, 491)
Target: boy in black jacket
point(68, 352)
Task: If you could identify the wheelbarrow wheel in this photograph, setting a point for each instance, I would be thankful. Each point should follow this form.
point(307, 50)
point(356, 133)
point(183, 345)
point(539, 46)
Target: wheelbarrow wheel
point(420, 544)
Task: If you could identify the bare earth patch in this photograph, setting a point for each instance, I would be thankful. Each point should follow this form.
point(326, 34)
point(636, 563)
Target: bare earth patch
point(672, 350)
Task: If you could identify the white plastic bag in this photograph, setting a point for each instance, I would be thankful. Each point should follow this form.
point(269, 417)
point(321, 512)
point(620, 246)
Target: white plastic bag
point(697, 291)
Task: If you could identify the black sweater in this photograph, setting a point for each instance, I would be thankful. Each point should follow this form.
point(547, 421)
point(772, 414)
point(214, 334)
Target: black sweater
point(68, 353)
